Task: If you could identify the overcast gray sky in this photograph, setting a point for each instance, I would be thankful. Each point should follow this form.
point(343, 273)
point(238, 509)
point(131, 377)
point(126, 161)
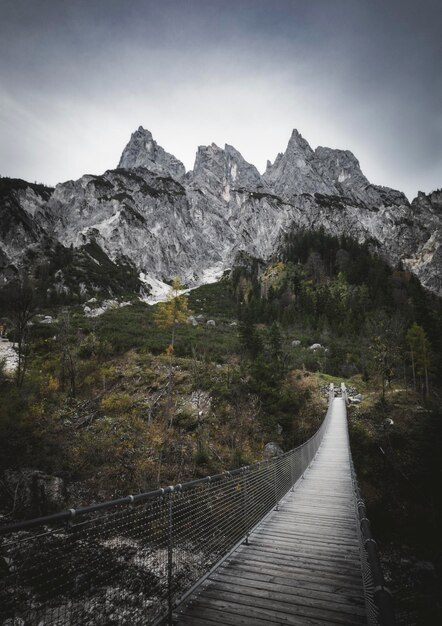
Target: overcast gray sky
point(76, 78)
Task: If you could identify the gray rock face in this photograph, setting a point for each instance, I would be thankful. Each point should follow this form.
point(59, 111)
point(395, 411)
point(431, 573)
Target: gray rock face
point(33, 492)
point(21, 216)
point(325, 171)
point(272, 449)
point(341, 170)
point(224, 171)
point(295, 171)
point(143, 151)
point(426, 259)
point(196, 225)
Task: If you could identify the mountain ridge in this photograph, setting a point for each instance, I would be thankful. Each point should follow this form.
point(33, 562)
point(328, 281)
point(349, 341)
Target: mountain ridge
point(194, 224)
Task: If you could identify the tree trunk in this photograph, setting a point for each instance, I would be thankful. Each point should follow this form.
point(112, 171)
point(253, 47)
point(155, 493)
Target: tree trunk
point(427, 386)
point(173, 333)
point(413, 368)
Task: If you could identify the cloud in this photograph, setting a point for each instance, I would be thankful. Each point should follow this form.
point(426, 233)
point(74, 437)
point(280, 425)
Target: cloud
point(78, 78)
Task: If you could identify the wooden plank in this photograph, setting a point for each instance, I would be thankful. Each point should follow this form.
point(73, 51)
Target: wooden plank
point(286, 612)
point(303, 516)
point(300, 572)
point(205, 613)
point(283, 590)
point(324, 530)
point(296, 572)
point(277, 595)
point(296, 555)
point(298, 535)
point(208, 620)
point(253, 615)
point(327, 544)
point(296, 581)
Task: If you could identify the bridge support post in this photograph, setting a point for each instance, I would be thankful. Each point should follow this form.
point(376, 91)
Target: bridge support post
point(292, 472)
point(170, 562)
point(246, 508)
point(275, 484)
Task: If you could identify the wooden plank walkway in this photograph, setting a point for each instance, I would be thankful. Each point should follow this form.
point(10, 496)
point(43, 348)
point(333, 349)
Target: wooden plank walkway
point(302, 564)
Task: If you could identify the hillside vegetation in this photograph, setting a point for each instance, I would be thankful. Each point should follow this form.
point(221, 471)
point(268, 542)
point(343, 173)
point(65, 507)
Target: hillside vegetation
point(106, 404)
point(107, 407)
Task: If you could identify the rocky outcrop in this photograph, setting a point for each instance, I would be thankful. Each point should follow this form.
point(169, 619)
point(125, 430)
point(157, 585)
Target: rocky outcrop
point(426, 260)
point(143, 151)
point(224, 171)
point(150, 218)
point(342, 171)
point(33, 493)
point(166, 222)
point(295, 171)
point(22, 205)
point(272, 449)
point(325, 171)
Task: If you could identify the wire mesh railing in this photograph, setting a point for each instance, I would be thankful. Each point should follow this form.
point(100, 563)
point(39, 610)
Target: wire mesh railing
point(134, 560)
point(378, 598)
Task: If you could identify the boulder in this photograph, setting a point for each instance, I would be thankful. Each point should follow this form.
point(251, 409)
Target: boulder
point(296, 343)
point(316, 346)
point(211, 323)
point(192, 320)
point(272, 449)
point(34, 493)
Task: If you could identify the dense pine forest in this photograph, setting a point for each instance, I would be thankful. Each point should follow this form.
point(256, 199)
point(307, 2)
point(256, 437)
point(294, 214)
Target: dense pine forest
point(373, 319)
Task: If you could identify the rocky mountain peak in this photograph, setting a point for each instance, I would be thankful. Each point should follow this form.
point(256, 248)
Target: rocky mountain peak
point(298, 144)
point(338, 159)
point(143, 151)
point(341, 170)
point(294, 171)
point(224, 170)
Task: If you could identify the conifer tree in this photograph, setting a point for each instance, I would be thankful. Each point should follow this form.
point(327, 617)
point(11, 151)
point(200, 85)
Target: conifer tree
point(173, 311)
point(170, 314)
point(18, 299)
point(385, 342)
point(420, 353)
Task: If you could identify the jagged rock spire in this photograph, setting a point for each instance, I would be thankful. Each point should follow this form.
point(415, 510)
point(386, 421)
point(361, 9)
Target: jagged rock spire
point(143, 151)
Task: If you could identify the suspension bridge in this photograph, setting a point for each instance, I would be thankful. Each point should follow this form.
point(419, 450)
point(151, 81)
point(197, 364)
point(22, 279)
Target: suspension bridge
point(284, 541)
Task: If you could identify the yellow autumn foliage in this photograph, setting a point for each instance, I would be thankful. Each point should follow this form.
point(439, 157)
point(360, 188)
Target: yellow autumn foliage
point(116, 402)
